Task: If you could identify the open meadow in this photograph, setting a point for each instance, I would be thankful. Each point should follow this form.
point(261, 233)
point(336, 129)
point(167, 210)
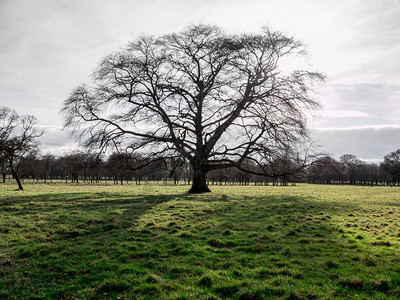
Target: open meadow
point(66, 241)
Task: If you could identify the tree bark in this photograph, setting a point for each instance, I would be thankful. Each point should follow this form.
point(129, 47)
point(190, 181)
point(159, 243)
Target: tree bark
point(199, 183)
point(16, 177)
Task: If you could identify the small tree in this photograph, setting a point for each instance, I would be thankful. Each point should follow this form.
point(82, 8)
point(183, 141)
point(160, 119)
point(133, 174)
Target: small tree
point(391, 165)
point(352, 167)
point(120, 165)
point(209, 98)
point(17, 139)
point(325, 170)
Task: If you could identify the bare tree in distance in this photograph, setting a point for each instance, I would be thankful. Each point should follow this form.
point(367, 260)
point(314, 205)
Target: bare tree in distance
point(17, 139)
point(391, 165)
point(210, 98)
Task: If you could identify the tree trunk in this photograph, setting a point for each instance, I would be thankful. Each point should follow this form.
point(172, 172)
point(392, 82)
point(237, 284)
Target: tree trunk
point(199, 184)
point(16, 177)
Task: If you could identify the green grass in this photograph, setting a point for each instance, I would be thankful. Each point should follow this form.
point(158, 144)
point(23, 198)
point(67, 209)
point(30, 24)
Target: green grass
point(62, 241)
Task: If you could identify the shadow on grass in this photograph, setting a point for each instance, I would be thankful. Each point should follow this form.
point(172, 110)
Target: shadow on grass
point(48, 202)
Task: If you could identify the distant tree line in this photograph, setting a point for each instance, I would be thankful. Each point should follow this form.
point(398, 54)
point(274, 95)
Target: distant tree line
point(120, 168)
point(351, 170)
point(84, 166)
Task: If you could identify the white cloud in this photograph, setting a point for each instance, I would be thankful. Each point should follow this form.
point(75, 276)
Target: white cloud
point(371, 143)
point(362, 127)
point(337, 113)
point(362, 104)
point(60, 150)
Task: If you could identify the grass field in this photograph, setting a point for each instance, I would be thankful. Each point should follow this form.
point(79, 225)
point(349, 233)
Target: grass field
point(62, 241)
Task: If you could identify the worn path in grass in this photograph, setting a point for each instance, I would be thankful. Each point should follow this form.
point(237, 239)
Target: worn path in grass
point(301, 242)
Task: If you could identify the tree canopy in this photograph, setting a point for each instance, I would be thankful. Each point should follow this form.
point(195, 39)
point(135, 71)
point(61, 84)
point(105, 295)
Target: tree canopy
point(214, 99)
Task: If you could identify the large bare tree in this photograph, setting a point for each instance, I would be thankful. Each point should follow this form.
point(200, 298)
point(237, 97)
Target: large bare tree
point(210, 98)
point(17, 139)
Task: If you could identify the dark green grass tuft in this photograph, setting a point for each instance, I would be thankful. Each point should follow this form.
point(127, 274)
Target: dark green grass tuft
point(226, 291)
point(353, 283)
point(205, 281)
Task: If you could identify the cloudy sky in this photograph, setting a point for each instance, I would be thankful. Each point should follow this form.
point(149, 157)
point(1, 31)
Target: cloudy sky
point(48, 47)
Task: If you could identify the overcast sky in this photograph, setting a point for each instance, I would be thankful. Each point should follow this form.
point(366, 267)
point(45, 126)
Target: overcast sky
point(48, 47)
